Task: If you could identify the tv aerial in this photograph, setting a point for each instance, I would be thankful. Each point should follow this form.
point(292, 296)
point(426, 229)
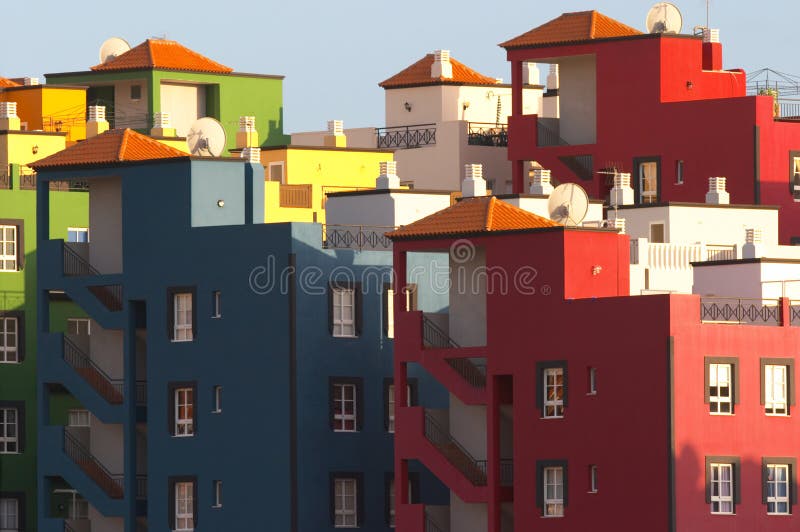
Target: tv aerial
point(206, 138)
point(664, 18)
point(568, 204)
point(113, 48)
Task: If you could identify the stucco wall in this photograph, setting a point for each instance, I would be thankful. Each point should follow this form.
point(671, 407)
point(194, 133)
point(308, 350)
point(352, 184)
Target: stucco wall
point(578, 99)
point(105, 349)
point(105, 224)
point(466, 517)
point(468, 299)
point(127, 112)
point(184, 102)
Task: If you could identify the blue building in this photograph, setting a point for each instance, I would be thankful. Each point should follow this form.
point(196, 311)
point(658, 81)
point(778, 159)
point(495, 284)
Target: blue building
point(234, 375)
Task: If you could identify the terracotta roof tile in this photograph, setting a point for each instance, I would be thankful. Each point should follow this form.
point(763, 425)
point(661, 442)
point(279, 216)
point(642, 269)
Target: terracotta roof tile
point(485, 214)
point(162, 54)
point(5, 82)
point(113, 146)
point(420, 74)
point(572, 27)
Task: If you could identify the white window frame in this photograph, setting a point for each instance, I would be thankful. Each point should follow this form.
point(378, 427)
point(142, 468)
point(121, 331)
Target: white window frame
point(74, 326)
point(79, 418)
point(649, 196)
point(796, 178)
point(9, 520)
point(553, 408)
point(344, 298)
point(7, 441)
point(722, 475)
point(776, 396)
point(217, 400)
point(182, 309)
point(720, 376)
point(391, 404)
point(774, 500)
point(216, 298)
point(592, 478)
point(184, 506)
point(390, 313)
point(78, 509)
point(78, 231)
point(345, 489)
point(184, 426)
point(553, 482)
point(9, 237)
point(592, 381)
point(679, 169)
point(283, 171)
point(9, 330)
point(340, 418)
point(217, 494)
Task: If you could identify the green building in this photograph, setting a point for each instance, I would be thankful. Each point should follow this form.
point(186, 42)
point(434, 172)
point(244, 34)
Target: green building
point(18, 307)
point(161, 76)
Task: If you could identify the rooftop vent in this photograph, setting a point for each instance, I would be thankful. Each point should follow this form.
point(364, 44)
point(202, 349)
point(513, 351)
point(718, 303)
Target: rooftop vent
point(388, 178)
point(162, 120)
point(8, 109)
point(441, 67)
point(251, 155)
point(541, 182)
point(710, 35)
point(335, 127)
point(247, 123)
point(622, 193)
point(97, 113)
point(473, 184)
point(717, 195)
point(30, 81)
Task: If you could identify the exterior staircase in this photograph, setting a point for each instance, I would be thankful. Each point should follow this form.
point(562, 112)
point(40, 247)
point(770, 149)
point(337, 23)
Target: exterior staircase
point(108, 388)
point(77, 266)
point(92, 467)
point(455, 453)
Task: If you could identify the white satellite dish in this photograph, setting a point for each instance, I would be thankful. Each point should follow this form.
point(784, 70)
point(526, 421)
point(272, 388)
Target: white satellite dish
point(113, 47)
point(664, 18)
point(568, 204)
point(206, 137)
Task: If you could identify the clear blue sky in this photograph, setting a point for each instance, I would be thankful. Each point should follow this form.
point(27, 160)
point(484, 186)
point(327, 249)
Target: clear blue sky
point(334, 53)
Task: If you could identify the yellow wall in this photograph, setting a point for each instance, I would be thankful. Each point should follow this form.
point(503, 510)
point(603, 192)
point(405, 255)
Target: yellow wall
point(326, 170)
point(17, 147)
point(42, 106)
point(178, 143)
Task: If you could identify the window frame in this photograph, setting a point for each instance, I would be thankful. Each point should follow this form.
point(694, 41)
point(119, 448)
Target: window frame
point(791, 497)
point(19, 439)
point(19, 245)
point(735, 464)
point(358, 511)
point(541, 392)
point(542, 501)
point(789, 384)
point(79, 321)
point(78, 231)
point(357, 305)
point(708, 399)
point(216, 304)
point(412, 388)
point(79, 412)
point(19, 497)
point(794, 178)
point(592, 478)
point(19, 320)
point(217, 398)
point(172, 418)
point(591, 376)
point(217, 490)
point(358, 398)
point(275, 164)
point(139, 89)
point(172, 325)
point(638, 163)
point(172, 514)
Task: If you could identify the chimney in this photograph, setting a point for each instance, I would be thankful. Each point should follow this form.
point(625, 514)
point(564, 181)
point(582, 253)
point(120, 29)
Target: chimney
point(335, 137)
point(753, 244)
point(717, 195)
point(473, 184)
point(30, 81)
point(162, 126)
point(530, 74)
point(712, 50)
point(541, 182)
point(616, 223)
point(552, 78)
point(622, 193)
point(388, 178)
point(251, 155)
point(247, 136)
point(97, 121)
point(441, 67)
point(9, 121)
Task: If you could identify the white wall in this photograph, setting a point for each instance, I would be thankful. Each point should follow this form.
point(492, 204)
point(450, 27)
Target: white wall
point(426, 105)
point(577, 92)
point(184, 102)
point(127, 112)
point(101, 523)
point(107, 444)
point(105, 224)
point(106, 350)
point(468, 426)
point(753, 280)
point(468, 300)
point(388, 209)
point(466, 517)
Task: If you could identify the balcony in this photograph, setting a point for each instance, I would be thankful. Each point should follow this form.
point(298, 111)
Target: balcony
point(406, 137)
point(358, 237)
point(485, 134)
point(740, 311)
point(794, 310)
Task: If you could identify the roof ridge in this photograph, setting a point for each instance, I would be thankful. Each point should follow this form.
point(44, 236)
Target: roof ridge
point(123, 144)
point(490, 212)
point(592, 24)
point(149, 48)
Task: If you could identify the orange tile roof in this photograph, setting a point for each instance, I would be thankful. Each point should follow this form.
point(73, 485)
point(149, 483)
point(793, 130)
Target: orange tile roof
point(5, 82)
point(162, 54)
point(420, 74)
point(572, 27)
point(113, 146)
point(484, 214)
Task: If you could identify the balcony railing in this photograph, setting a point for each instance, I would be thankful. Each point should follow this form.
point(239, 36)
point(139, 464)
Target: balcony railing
point(788, 109)
point(141, 487)
point(434, 336)
point(432, 526)
point(358, 237)
point(141, 393)
point(487, 134)
point(110, 389)
point(472, 370)
point(794, 311)
point(94, 469)
point(295, 196)
point(5, 180)
point(547, 135)
point(68, 528)
point(740, 311)
point(110, 295)
point(455, 453)
point(75, 265)
point(720, 252)
point(404, 137)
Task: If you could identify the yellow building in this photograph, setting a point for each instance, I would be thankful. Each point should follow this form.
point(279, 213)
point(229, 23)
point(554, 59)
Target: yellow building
point(298, 178)
point(54, 109)
point(20, 147)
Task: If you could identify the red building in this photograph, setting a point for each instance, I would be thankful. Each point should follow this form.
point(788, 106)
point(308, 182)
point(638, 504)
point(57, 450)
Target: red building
point(659, 106)
point(574, 406)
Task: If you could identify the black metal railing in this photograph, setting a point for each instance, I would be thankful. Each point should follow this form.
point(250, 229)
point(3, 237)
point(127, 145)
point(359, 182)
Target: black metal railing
point(110, 389)
point(413, 136)
point(431, 525)
point(75, 265)
point(794, 311)
point(455, 453)
point(141, 393)
point(356, 237)
point(740, 311)
point(27, 182)
point(141, 487)
point(581, 165)
point(434, 336)
point(110, 295)
point(487, 134)
point(110, 483)
point(548, 136)
point(506, 472)
point(471, 370)
point(68, 528)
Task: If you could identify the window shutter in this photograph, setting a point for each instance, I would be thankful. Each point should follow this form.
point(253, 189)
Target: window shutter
point(170, 315)
point(331, 408)
point(171, 503)
point(194, 319)
point(330, 308)
point(358, 297)
point(385, 307)
point(764, 477)
point(171, 409)
point(332, 498)
point(359, 403)
point(194, 500)
point(360, 498)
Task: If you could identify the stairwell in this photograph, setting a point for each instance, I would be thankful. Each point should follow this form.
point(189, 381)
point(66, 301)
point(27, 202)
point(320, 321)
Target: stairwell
point(92, 467)
point(108, 388)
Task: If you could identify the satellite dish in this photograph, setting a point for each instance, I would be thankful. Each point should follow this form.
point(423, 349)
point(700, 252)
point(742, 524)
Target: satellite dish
point(113, 47)
point(664, 18)
point(568, 204)
point(206, 137)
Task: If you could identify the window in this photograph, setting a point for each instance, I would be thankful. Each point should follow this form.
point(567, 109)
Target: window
point(136, 92)
point(79, 326)
point(9, 340)
point(553, 491)
point(390, 501)
point(657, 233)
point(77, 234)
point(217, 494)
point(184, 505)
point(9, 248)
point(777, 385)
point(389, 325)
point(216, 298)
point(346, 500)
point(345, 400)
point(554, 392)
point(217, 399)
point(182, 315)
point(9, 430)
point(388, 387)
point(184, 415)
point(276, 172)
point(410, 293)
point(78, 418)
point(592, 478)
point(778, 487)
point(794, 175)
point(10, 515)
point(722, 486)
point(344, 323)
point(678, 172)
point(648, 179)
point(720, 390)
point(592, 385)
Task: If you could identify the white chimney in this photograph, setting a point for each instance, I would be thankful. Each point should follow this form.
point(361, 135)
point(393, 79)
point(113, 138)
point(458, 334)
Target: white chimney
point(8, 109)
point(710, 35)
point(717, 195)
point(622, 193)
point(335, 127)
point(541, 182)
point(162, 120)
point(247, 136)
point(473, 184)
point(97, 113)
point(616, 223)
point(753, 243)
point(97, 121)
point(552, 77)
point(30, 81)
point(247, 123)
point(388, 178)
point(335, 137)
point(530, 74)
point(251, 155)
point(441, 67)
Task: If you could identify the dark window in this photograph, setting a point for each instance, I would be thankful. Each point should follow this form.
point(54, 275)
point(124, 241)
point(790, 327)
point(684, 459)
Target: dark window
point(136, 92)
point(678, 172)
point(647, 179)
point(721, 384)
point(181, 313)
point(182, 415)
point(551, 388)
point(346, 404)
point(345, 309)
point(12, 427)
point(347, 499)
point(12, 510)
point(182, 504)
point(216, 304)
point(217, 494)
point(719, 487)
